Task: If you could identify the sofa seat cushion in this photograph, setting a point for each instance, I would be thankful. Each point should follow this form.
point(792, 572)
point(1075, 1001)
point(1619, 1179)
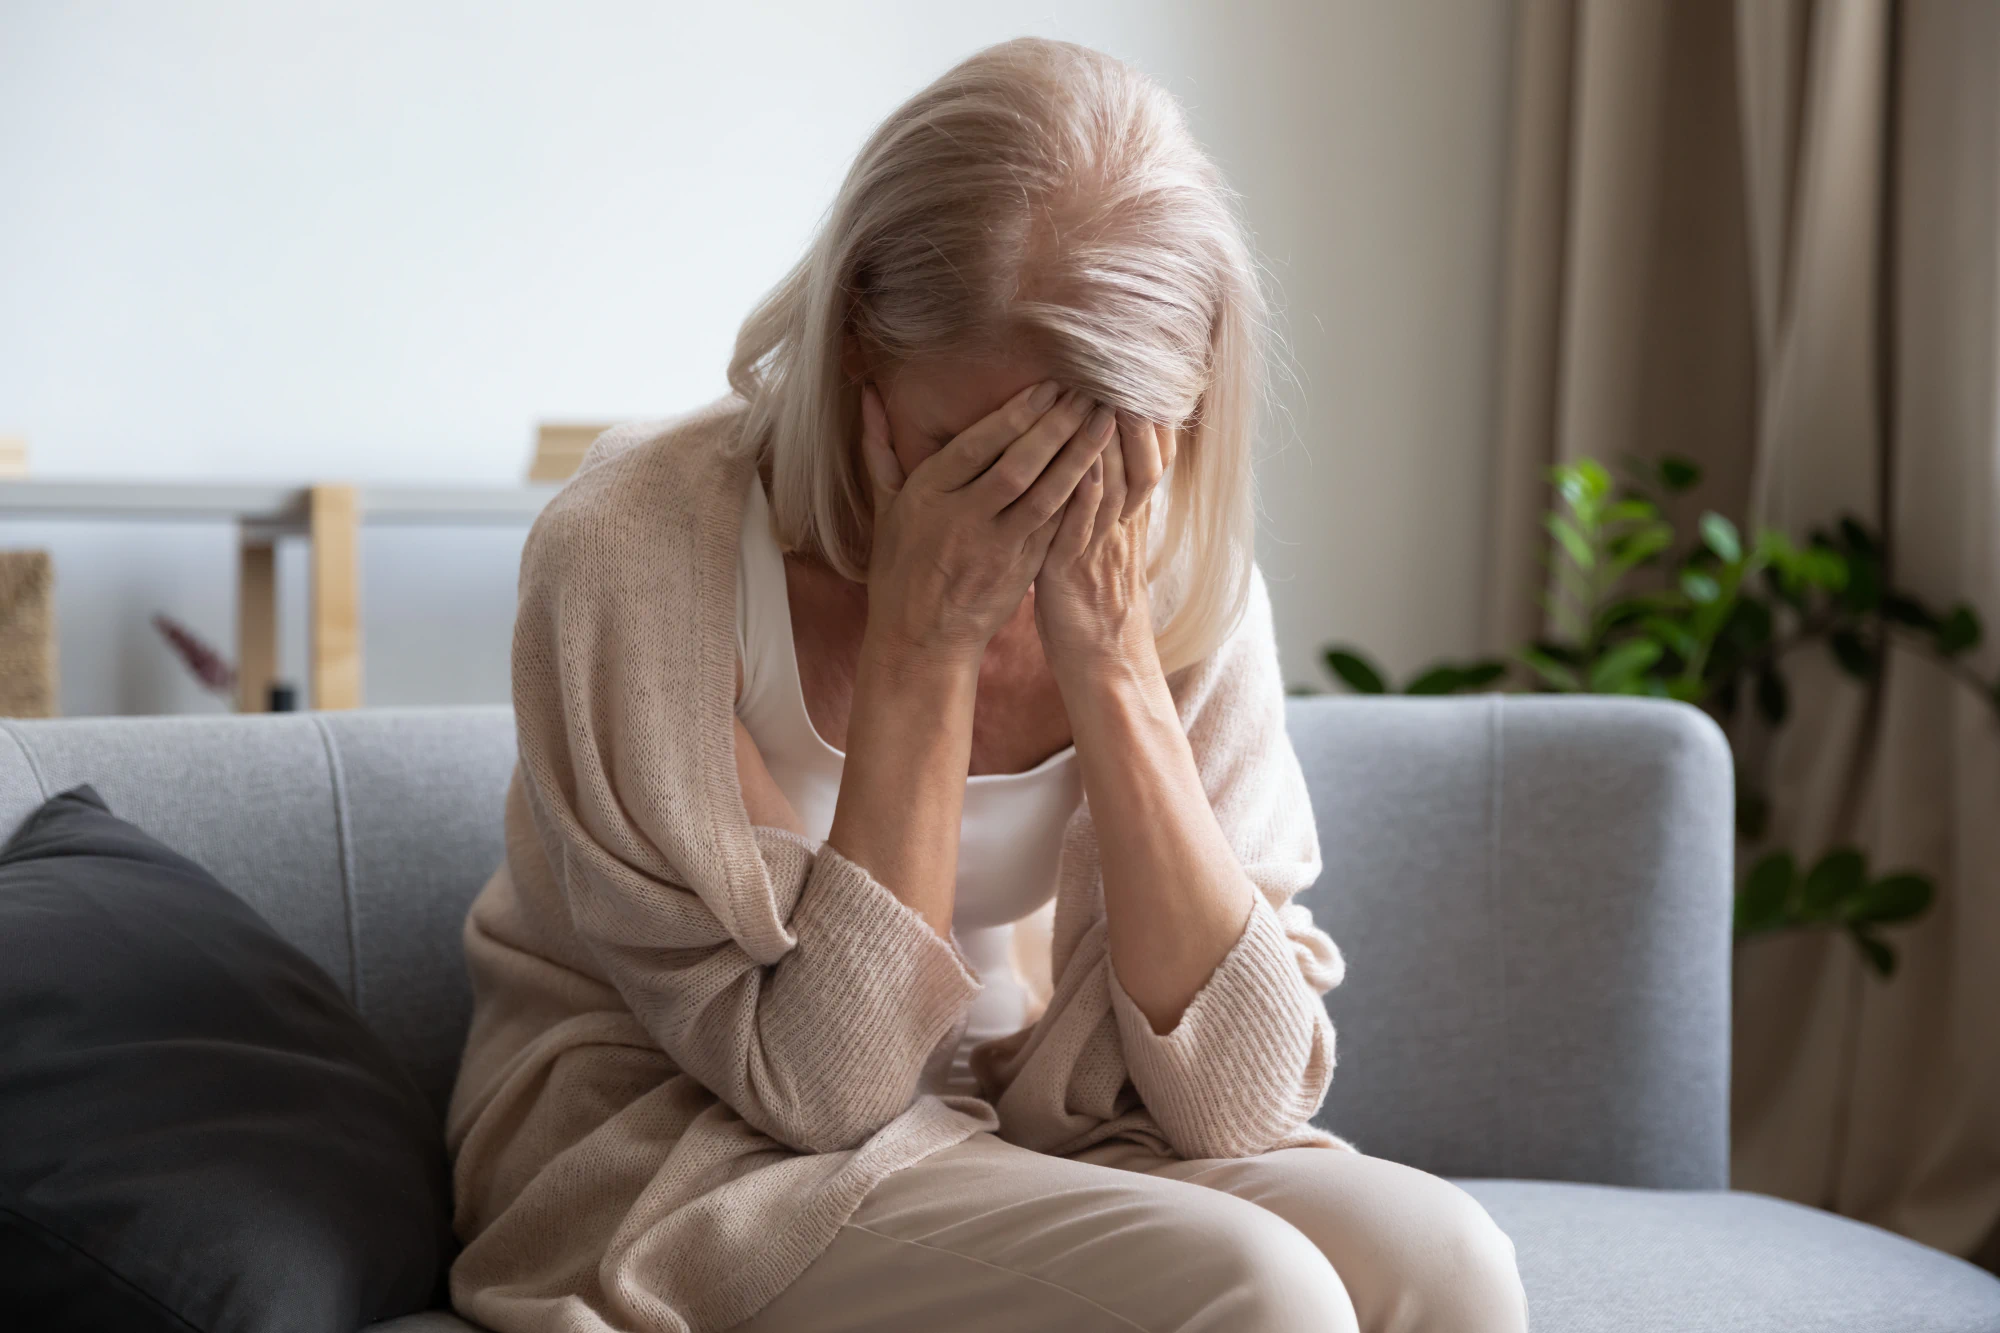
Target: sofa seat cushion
point(1601, 1260)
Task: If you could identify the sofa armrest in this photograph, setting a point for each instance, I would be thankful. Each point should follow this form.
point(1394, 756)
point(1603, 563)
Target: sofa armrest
point(1534, 896)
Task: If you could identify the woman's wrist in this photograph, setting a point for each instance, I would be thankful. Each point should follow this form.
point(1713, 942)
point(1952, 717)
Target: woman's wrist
point(908, 659)
point(1110, 700)
point(1126, 663)
point(909, 738)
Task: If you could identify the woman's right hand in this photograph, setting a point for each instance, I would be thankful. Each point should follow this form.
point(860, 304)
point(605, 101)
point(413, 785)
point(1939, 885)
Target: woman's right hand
point(960, 539)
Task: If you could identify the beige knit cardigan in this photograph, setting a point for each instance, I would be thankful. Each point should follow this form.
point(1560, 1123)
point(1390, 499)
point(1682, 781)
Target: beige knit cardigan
point(696, 1043)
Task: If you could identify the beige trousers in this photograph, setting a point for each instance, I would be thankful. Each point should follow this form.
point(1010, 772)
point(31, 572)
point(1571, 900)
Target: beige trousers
point(990, 1238)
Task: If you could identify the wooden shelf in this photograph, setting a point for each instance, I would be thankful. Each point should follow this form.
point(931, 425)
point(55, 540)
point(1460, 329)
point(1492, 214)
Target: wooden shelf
point(329, 516)
point(275, 508)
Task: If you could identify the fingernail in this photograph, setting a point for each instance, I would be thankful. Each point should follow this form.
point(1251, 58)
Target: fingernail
point(1044, 395)
point(1100, 423)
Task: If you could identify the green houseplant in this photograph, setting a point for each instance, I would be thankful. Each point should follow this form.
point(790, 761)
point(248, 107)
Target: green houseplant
point(1712, 620)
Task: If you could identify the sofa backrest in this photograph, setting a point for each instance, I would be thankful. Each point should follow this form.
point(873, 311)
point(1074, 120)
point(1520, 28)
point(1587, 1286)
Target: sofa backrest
point(362, 837)
point(1533, 896)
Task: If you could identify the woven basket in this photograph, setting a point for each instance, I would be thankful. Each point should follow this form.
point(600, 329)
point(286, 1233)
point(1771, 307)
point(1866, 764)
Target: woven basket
point(27, 634)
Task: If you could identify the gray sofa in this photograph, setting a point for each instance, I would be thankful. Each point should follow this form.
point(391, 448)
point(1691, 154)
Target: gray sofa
point(1533, 896)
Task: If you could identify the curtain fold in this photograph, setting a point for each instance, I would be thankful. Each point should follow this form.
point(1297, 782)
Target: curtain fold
point(1762, 234)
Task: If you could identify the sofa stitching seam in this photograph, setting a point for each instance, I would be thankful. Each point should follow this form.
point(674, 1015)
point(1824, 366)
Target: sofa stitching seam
point(1495, 812)
point(344, 844)
point(27, 756)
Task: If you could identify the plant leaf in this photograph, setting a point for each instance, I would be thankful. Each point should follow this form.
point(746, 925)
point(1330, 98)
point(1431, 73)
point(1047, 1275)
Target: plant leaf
point(1700, 587)
point(1959, 633)
point(1863, 592)
point(1474, 675)
point(1891, 899)
point(1879, 955)
point(1766, 891)
point(1721, 537)
point(1359, 674)
point(1617, 670)
point(1583, 484)
point(1552, 672)
point(1596, 480)
point(1906, 610)
point(1775, 546)
point(1781, 579)
point(1443, 678)
point(1749, 625)
point(1672, 633)
point(1840, 875)
point(1641, 546)
point(1824, 567)
point(1572, 541)
point(1678, 474)
point(1568, 484)
point(1623, 611)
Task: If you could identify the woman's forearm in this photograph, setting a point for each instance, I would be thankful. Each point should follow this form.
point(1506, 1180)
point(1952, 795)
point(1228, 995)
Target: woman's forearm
point(902, 790)
point(1175, 898)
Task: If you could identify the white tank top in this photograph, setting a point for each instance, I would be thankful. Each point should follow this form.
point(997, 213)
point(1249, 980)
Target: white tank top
point(1010, 835)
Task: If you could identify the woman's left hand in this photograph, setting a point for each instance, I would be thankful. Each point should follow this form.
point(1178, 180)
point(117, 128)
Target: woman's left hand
point(1092, 608)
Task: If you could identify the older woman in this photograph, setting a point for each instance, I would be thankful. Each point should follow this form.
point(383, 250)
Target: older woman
point(943, 624)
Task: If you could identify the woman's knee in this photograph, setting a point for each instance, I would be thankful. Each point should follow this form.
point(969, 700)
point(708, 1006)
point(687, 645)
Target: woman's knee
point(1246, 1269)
point(1472, 1279)
point(1417, 1253)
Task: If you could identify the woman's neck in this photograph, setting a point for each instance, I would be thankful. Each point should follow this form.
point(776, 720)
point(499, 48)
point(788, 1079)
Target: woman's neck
point(1018, 718)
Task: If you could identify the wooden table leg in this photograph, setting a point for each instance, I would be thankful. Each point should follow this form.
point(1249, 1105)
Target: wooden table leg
point(256, 623)
point(333, 528)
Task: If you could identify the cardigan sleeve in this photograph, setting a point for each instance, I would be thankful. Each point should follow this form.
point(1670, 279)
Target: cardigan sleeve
point(1250, 1059)
point(781, 975)
point(818, 1050)
point(1248, 1063)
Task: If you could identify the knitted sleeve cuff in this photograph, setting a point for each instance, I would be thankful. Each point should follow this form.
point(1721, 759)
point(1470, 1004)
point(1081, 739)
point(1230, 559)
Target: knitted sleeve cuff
point(1251, 1057)
point(862, 1000)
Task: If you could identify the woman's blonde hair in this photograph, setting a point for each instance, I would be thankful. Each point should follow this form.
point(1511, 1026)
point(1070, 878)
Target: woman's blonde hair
point(1040, 196)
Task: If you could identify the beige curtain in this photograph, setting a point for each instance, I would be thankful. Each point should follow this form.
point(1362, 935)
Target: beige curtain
point(1762, 234)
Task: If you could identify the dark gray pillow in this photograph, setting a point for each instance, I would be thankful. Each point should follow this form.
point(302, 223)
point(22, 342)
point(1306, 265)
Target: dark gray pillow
point(196, 1129)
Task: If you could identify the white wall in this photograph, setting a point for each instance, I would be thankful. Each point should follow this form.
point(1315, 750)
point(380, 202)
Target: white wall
point(378, 241)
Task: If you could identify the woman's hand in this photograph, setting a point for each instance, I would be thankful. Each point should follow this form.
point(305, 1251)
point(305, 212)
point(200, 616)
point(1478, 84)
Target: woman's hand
point(1091, 602)
point(1175, 897)
point(958, 542)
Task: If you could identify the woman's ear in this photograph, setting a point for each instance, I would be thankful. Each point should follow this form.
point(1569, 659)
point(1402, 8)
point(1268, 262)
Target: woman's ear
point(853, 360)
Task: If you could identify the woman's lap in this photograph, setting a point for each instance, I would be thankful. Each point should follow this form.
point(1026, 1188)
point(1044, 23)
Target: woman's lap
point(1414, 1251)
point(987, 1236)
